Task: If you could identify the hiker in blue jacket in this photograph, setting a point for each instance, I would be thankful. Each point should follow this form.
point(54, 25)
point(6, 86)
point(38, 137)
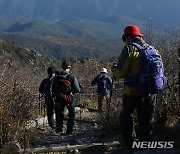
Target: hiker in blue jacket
point(45, 88)
point(65, 85)
point(104, 83)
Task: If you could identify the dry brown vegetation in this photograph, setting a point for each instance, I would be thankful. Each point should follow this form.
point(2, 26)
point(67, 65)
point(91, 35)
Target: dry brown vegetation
point(21, 71)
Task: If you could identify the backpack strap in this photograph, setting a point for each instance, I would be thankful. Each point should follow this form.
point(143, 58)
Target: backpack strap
point(141, 48)
point(138, 46)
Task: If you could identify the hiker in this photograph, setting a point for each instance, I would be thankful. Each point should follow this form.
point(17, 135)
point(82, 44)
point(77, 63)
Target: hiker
point(104, 83)
point(64, 87)
point(129, 67)
point(45, 88)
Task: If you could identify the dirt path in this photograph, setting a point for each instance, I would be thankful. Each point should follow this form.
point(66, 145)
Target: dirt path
point(87, 138)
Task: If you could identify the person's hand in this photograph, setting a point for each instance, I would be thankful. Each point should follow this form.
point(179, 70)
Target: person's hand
point(114, 66)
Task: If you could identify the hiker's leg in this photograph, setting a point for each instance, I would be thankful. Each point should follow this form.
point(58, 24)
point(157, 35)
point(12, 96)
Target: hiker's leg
point(146, 113)
point(50, 113)
point(70, 124)
point(107, 104)
point(126, 120)
point(100, 101)
point(59, 110)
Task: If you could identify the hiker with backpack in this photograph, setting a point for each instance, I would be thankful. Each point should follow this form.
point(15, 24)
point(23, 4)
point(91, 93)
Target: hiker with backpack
point(45, 88)
point(104, 83)
point(64, 87)
point(141, 67)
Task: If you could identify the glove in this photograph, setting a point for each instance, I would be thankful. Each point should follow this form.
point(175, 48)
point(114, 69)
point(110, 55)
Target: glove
point(114, 67)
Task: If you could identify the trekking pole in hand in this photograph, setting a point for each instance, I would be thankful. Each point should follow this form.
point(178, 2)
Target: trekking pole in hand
point(40, 103)
point(44, 116)
point(111, 91)
point(109, 102)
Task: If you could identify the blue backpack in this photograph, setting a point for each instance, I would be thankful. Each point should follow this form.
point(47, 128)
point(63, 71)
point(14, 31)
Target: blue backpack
point(102, 85)
point(151, 79)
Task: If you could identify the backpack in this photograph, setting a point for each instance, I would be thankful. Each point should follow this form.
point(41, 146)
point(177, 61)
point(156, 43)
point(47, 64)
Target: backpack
point(102, 85)
point(63, 88)
point(151, 79)
point(47, 87)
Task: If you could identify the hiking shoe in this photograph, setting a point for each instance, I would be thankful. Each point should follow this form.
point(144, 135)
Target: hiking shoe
point(52, 127)
point(68, 132)
point(58, 130)
point(100, 110)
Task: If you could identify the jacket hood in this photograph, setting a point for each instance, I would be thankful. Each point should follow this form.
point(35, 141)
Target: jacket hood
point(62, 74)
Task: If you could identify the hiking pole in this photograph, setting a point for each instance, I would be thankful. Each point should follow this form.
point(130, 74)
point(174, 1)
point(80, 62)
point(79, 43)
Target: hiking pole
point(80, 100)
point(109, 102)
point(44, 105)
point(40, 103)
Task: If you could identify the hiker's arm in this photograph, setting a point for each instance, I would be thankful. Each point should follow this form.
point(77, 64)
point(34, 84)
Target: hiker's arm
point(109, 82)
point(122, 69)
point(54, 87)
point(76, 87)
point(41, 87)
point(94, 81)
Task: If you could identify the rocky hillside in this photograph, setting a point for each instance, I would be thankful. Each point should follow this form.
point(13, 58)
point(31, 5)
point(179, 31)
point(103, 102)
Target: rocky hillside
point(22, 65)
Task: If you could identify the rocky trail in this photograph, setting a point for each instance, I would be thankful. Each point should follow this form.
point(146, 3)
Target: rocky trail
point(87, 138)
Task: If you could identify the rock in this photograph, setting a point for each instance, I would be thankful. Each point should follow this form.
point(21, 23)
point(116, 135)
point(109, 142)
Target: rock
point(31, 124)
point(11, 148)
point(76, 151)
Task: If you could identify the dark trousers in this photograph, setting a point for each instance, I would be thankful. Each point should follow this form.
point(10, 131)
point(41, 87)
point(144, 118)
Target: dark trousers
point(59, 109)
point(100, 102)
point(50, 111)
point(145, 106)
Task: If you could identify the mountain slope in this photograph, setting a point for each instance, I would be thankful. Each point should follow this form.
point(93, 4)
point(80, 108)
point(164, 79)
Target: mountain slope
point(65, 28)
point(91, 28)
point(68, 38)
point(162, 11)
point(72, 47)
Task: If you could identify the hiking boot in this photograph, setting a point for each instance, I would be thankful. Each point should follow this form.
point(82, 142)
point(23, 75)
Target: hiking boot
point(100, 110)
point(52, 127)
point(58, 130)
point(68, 132)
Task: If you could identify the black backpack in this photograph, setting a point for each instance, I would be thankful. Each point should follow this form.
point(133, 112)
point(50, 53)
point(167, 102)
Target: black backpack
point(46, 87)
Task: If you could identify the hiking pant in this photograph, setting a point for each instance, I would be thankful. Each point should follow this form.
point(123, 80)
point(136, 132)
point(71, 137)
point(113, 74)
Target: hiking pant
point(145, 106)
point(59, 110)
point(100, 101)
point(50, 111)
